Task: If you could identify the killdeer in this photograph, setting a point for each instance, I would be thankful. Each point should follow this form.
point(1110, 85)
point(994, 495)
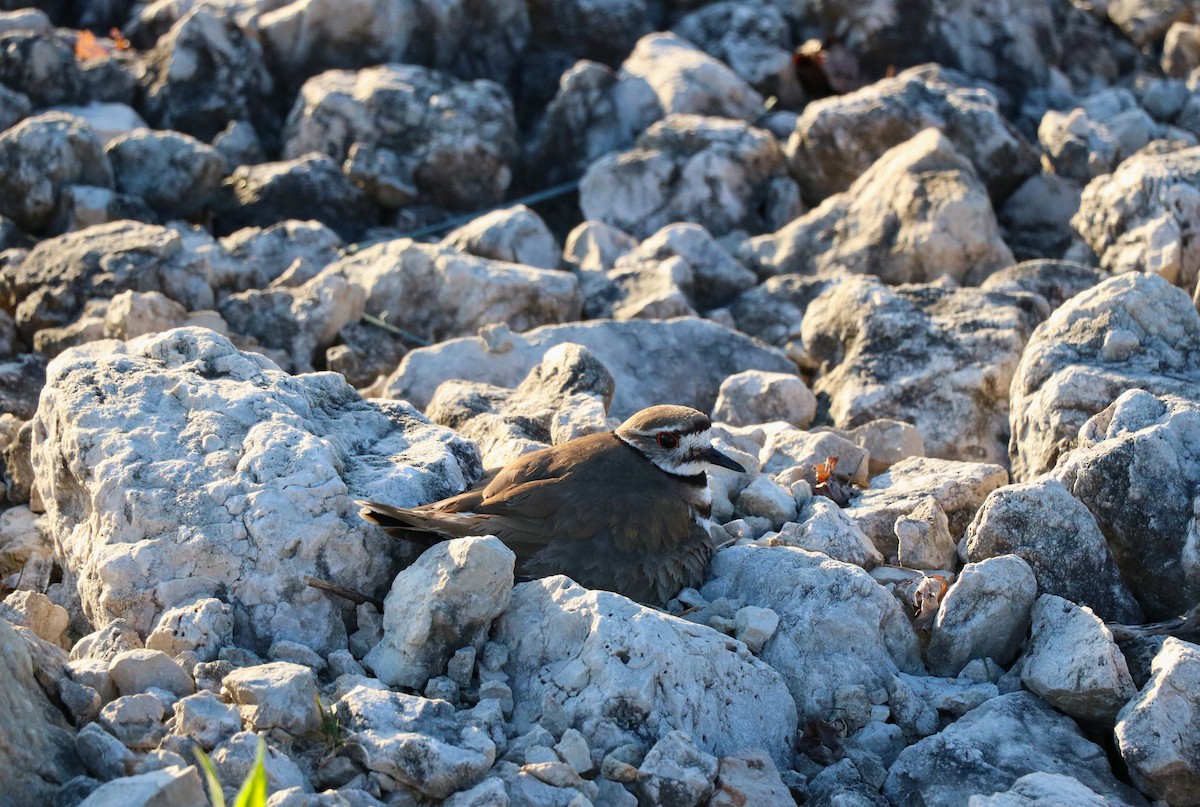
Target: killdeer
point(627, 511)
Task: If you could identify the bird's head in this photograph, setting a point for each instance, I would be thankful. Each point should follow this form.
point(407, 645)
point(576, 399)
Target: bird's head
point(677, 439)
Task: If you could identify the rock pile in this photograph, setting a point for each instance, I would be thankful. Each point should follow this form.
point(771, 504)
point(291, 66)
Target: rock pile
point(933, 271)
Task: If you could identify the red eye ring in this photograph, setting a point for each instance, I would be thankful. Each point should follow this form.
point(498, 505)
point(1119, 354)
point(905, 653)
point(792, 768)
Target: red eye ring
point(667, 440)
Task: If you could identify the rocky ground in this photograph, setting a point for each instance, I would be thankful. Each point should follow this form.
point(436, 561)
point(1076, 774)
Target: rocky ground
point(263, 258)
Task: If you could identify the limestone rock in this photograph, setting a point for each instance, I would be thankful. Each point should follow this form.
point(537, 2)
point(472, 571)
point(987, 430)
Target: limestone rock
point(1058, 537)
point(619, 672)
point(939, 358)
point(820, 602)
point(985, 614)
point(618, 345)
point(1073, 663)
point(755, 396)
point(1131, 331)
point(1156, 731)
point(449, 596)
point(642, 190)
point(238, 486)
point(877, 227)
point(280, 695)
point(991, 747)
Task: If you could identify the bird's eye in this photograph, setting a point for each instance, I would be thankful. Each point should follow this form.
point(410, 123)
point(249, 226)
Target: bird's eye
point(667, 440)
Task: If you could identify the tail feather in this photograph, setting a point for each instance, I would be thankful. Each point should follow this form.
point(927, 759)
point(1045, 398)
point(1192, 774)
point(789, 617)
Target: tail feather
point(400, 520)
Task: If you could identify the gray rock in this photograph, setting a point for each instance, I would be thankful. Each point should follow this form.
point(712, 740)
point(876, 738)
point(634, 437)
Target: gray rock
point(280, 695)
point(135, 720)
point(104, 644)
point(195, 385)
point(752, 38)
point(873, 227)
point(959, 488)
point(749, 777)
point(1131, 331)
point(135, 671)
point(39, 65)
point(1181, 49)
point(449, 595)
point(985, 614)
point(619, 672)
point(202, 627)
point(176, 174)
point(1141, 217)
point(1144, 23)
point(422, 744)
point(838, 138)
point(923, 538)
point(1139, 451)
point(488, 793)
point(302, 39)
point(1157, 730)
point(642, 190)
point(1096, 137)
point(820, 602)
point(39, 158)
point(514, 234)
point(1043, 790)
point(289, 253)
point(754, 626)
point(755, 396)
point(287, 650)
point(438, 293)
point(991, 747)
point(1058, 537)
point(235, 757)
point(36, 611)
point(52, 285)
point(767, 499)
point(205, 719)
point(103, 754)
point(458, 150)
point(887, 441)
point(1055, 281)
point(687, 81)
point(675, 773)
point(205, 72)
point(175, 786)
point(618, 345)
point(822, 526)
point(940, 358)
point(81, 206)
point(1073, 663)
point(794, 450)
point(309, 186)
point(564, 397)
point(1036, 218)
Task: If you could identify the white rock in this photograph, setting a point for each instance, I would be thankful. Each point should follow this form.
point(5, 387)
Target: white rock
point(254, 478)
point(837, 626)
point(278, 695)
point(235, 757)
point(1158, 731)
point(204, 719)
point(767, 498)
point(202, 627)
point(787, 448)
point(620, 346)
point(886, 442)
point(755, 396)
point(992, 746)
point(985, 614)
point(676, 773)
point(423, 744)
point(513, 234)
point(450, 594)
point(573, 750)
point(1057, 535)
point(108, 120)
point(168, 787)
point(34, 610)
point(822, 526)
point(923, 538)
point(135, 671)
point(749, 777)
point(135, 720)
point(603, 664)
point(1041, 789)
point(755, 626)
point(1073, 663)
point(958, 487)
point(687, 80)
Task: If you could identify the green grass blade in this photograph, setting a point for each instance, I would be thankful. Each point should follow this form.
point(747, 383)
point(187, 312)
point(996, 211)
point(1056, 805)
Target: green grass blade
point(210, 777)
point(253, 792)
